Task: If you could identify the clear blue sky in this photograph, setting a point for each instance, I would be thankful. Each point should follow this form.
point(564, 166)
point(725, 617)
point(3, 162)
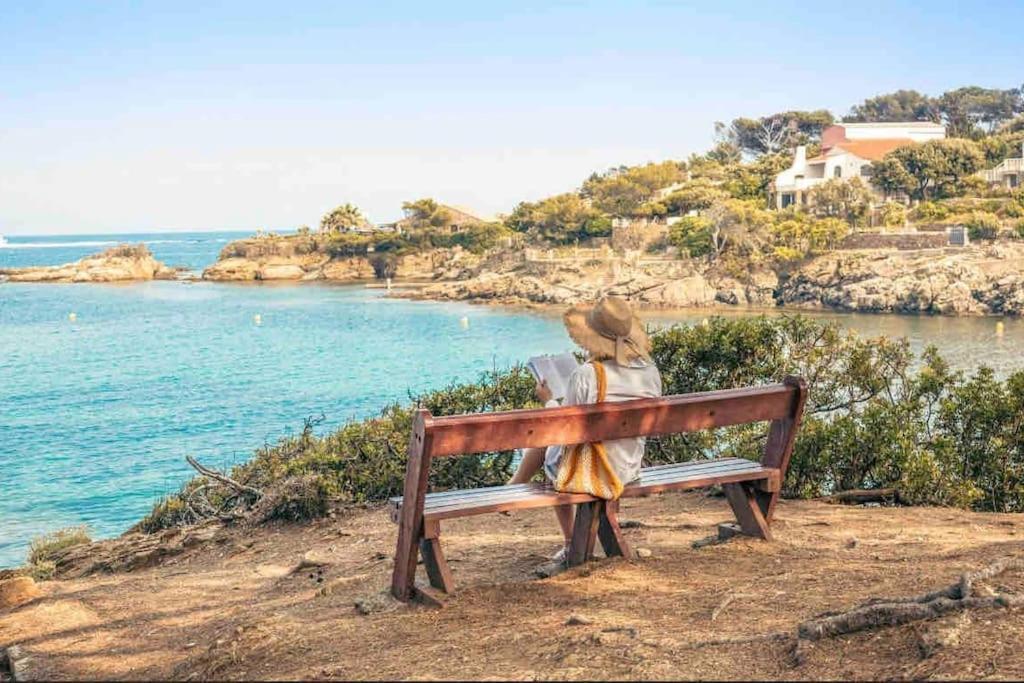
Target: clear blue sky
point(122, 116)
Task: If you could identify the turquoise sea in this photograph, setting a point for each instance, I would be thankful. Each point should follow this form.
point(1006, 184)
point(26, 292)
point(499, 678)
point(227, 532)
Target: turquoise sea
point(98, 414)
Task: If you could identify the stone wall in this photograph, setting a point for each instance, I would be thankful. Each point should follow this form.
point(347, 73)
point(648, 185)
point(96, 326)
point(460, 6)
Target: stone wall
point(906, 241)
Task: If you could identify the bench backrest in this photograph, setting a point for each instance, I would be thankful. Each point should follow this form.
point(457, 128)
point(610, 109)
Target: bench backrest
point(782, 404)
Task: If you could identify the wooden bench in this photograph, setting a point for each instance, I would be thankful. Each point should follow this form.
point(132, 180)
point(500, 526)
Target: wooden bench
point(752, 488)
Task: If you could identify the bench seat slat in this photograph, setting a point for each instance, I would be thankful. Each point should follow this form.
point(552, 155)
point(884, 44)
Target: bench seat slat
point(449, 504)
point(648, 474)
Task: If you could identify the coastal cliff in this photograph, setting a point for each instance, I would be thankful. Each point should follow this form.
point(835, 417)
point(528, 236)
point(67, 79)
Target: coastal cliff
point(304, 258)
point(984, 279)
point(669, 284)
point(976, 280)
point(122, 263)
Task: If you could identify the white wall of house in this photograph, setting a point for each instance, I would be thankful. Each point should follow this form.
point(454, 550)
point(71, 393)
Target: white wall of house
point(913, 130)
point(843, 165)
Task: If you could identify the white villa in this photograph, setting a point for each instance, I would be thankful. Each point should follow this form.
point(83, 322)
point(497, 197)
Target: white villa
point(1009, 172)
point(847, 150)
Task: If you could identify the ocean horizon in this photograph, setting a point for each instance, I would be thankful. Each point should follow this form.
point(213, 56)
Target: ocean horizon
point(193, 250)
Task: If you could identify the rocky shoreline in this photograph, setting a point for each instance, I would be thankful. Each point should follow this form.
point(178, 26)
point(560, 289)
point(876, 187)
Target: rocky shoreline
point(299, 259)
point(983, 279)
point(123, 263)
point(979, 280)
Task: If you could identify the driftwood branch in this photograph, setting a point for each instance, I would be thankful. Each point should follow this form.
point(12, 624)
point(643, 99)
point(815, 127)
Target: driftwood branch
point(223, 479)
point(894, 611)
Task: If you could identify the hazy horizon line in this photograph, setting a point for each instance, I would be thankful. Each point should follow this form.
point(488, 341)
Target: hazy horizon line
point(173, 231)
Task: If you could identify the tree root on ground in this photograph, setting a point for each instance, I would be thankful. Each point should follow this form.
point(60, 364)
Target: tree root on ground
point(881, 612)
point(894, 611)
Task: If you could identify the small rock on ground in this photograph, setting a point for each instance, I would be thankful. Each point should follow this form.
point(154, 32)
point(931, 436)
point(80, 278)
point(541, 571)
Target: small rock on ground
point(578, 620)
point(312, 560)
point(18, 591)
point(378, 602)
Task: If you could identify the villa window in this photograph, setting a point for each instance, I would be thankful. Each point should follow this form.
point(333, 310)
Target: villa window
point(865, 170)
point(838, 172)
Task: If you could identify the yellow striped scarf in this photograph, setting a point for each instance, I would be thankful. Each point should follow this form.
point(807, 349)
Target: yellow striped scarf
point(584, 468)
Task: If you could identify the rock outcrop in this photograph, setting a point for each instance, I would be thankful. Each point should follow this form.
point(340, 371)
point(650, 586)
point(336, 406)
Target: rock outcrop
point(981, 279)
point(122, 263)
point(978, 280)
point(302, 258)
point(668, 284)
point(986, 279)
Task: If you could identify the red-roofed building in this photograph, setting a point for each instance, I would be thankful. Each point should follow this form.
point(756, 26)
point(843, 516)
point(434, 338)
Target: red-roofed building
point(847, 151)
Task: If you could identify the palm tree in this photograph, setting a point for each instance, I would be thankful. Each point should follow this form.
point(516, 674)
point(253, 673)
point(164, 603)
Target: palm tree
point(343, 218)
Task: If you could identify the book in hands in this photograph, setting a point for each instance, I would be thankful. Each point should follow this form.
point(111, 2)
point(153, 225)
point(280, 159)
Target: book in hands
point(555, 371)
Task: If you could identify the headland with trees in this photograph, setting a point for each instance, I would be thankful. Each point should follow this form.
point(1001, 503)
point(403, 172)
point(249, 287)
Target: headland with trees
point(705, 230)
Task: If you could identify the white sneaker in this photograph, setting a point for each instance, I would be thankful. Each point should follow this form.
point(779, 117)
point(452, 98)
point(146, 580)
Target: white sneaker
point(561, 556)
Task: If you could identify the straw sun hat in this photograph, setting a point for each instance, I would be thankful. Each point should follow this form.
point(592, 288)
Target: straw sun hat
point(608, 329)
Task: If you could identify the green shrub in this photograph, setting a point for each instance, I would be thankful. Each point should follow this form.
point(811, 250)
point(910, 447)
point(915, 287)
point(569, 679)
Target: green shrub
point(1019, 229)
point(1011, 209)
point(363, 461)
point(894, 215)
point(930, 212)
point(876, 416)
point(46, 548)
point(692, 235)
point(982, 225)
point(43, 570)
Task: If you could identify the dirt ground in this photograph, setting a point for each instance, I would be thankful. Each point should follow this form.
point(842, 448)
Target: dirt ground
point(233, 608)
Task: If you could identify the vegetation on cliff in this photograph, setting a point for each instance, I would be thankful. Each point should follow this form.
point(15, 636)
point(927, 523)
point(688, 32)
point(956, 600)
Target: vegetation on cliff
point(721, 195)
point(877, 417)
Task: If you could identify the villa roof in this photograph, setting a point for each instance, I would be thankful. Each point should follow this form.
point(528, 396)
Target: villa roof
point(871, 150)
point(468, 213)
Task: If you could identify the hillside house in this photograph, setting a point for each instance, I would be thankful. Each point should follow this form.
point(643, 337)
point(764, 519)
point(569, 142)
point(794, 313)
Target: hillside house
point(1009, 173)
point(459, 218)
point(847, 151)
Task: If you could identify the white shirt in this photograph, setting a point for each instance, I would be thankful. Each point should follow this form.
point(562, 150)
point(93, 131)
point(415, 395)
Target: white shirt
point(639, 379)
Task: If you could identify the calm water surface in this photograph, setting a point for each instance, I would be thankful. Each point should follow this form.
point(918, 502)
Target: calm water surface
point(98, 414)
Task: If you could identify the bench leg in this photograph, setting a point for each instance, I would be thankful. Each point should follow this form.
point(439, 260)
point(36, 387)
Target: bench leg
point(745, 505)
point(608, 531)
point(438, 572)
point(584, 533)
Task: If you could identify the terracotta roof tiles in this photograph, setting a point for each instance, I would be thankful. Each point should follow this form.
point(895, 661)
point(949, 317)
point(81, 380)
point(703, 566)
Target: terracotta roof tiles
point(872, 150)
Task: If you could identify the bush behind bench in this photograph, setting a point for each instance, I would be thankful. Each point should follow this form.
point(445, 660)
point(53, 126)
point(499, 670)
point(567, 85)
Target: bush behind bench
point(876, 417)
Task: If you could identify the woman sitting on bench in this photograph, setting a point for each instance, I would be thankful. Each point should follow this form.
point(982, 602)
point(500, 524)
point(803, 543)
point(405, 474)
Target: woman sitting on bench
point(619, 368)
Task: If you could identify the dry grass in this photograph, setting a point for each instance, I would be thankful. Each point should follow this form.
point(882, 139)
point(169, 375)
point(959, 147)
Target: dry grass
point(234, 609)
point(44, 549)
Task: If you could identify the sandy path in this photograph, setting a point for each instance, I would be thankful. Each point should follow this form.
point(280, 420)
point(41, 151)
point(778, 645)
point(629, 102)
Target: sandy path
point(232, 609)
